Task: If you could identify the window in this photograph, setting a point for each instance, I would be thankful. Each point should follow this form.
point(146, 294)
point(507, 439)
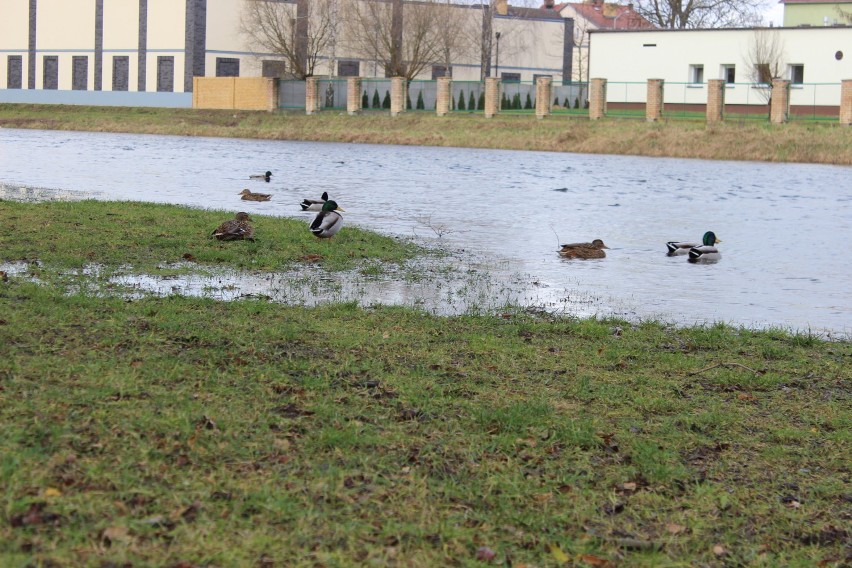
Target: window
point(227, 67)
point(79, 73)
point(165, 74)
point(274, 68)
point(15, 72)
point(441, 71)
point(120, 72)
point(51, 72)
point(348, 69)
point(797, 74)
point(696, 73)
point(511, 77)
point(729, 73)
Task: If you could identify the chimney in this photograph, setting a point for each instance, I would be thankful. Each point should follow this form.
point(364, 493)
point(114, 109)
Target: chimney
point(549, 4)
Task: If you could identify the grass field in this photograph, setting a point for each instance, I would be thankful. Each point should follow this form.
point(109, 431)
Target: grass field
point(188, 432)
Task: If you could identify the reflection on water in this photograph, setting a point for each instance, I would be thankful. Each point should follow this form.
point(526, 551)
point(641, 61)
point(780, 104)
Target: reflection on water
point(783, 226)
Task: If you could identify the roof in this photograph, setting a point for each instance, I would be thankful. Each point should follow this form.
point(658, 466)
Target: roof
point(608, 16)
point(815, 1)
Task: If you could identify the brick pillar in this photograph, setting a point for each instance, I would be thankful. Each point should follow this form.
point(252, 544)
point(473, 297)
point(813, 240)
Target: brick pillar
point(353, 95)
point(492, 96)
point(779, 104)
point(543, 99)
point(654, 102)
point(597, 99)
point(715, 100)
point(312, 99)
point(397, 96)
point(846, 102)
point(442, 103)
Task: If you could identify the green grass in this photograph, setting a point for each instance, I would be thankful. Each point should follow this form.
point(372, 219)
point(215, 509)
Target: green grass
point(182, 431)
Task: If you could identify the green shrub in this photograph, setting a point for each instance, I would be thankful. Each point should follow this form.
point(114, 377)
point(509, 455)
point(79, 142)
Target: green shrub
point(420, 104)
point(377, 102)
point(461, 105)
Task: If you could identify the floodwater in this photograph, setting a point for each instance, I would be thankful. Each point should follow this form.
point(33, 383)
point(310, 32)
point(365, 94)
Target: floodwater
point(784, 227)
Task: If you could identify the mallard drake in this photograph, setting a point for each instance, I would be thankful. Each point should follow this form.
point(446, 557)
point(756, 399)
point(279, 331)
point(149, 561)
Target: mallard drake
point(261, 177)
point(235, 229)
point(249, 196)
point(706, 252)
point(677, 248)
point(314, 204)
point(328, 221)
point(593, 249)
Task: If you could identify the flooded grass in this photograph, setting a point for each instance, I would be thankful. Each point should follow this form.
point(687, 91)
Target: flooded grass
point(822, 143)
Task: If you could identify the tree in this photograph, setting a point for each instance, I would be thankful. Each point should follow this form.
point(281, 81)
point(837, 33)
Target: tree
point(377, 102)
point(528, 104)
point(480, 104)
point(677, 14)
point(386, 102)
point(365, 101)
point(420, 104)
point(300, 34)
point(471, 103)
point(766, 59)
point(461, 105)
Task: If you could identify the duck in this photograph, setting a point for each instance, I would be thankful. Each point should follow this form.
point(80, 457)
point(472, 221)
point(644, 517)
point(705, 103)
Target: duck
point(314, 204)
point(328, 221)
point(677, 248)
point(236, 229)
point(249, 196)
point(706, 252)
point(261, 177)
point(594, 249)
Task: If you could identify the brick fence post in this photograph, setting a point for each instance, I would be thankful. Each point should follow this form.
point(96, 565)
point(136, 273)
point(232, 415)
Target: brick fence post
point(597, 99)
point(779, 104)
point(442, 102)
point(543, 90)
point(397, 96)
point(654, 102)
point(312, 99)
point(492, 96)
point(846, 102)
point(715, 100)
point(353, 95)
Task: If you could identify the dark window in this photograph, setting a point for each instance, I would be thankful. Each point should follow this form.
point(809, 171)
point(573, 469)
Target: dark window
point(441, 71)
point(120, 72)
point(730, 73)
point(165, 74)
point(272, 68)
point(227, 67)
point(15, 72)
point(797, 74)
point(51, 72)
point(348, 69)
point(696, 73)
point(79, 73)
point(511, 77)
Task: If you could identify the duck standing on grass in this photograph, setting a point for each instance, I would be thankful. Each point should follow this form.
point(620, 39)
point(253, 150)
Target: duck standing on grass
point(250, 196)
point(328, 221)
point(314, 204)
point(706, 253)
point(236, 229)
point(677, 248)
point(261, 177)
point(594, 249)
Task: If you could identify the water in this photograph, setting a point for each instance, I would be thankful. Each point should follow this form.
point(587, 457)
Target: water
point(784, 227)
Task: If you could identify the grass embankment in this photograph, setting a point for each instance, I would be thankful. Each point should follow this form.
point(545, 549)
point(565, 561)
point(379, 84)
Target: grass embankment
point(822, 143)
point(190, 432)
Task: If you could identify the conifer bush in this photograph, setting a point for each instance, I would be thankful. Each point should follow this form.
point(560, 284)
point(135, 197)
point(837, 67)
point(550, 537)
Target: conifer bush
point(481, 103)
point(471, 105)
point(461, 105)
point(528, 104)
point(365, 101)
point(386, 103)
point(377, 102)
point(420, 104)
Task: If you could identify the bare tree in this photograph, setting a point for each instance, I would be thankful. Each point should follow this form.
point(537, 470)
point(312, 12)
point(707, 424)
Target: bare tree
point(677, 14)
point(457, 33)
point(844, 15)
point(299, 34)
point(766, 59)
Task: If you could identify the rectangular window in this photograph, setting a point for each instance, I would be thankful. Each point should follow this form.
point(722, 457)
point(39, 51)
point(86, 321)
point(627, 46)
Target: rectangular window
point(797, 74)
point(696, 73)
point(511, 77)
point(227, 67)
point(51, 72)
point(348, 69)
point(79, 73)
point(120, 72)
point(441, 71)
point(15, 72)
point(729, 73)
point(165, 74)
point(273, 68)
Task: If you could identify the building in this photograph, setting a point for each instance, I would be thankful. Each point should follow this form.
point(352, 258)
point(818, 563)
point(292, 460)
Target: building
point(816, 13)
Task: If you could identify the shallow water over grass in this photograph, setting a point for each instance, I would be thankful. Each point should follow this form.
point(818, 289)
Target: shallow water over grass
point(782, 225)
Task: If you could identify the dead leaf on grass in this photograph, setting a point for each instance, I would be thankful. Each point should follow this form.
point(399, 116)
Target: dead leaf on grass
point(111, 535)
point(485, 554)
point(593, 560)
point(558, 554)
point(719, 550)
point(673, 528)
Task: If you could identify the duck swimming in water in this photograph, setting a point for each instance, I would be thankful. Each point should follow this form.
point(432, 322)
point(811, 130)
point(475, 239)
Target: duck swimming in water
point(328, 221)
point(594, 249)
point(706, 252)
point(261, 177)
point(250, 196)
point(677, 248)
point(236, 229)
point(314, 204)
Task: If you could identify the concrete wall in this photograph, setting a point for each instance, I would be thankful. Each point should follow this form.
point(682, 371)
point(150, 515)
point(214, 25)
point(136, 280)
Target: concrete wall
point(629, 58)
point(816, 14)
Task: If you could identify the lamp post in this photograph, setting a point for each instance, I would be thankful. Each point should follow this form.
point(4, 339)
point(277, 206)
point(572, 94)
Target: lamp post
point(497, 56)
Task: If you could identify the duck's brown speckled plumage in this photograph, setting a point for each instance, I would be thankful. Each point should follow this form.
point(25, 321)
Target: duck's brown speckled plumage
point(593, 249)
point(236, 229)
point(250, 196)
